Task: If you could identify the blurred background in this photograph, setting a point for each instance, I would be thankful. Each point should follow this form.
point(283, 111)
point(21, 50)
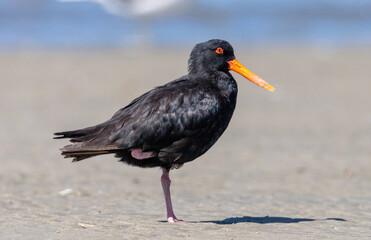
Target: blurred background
point(112, 23)
point(302, 152)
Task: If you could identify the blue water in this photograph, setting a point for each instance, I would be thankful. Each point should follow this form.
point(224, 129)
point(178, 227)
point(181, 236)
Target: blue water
point(53, 24)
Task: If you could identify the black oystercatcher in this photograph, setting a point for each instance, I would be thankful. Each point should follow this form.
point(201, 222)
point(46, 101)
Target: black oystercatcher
point(171, 124)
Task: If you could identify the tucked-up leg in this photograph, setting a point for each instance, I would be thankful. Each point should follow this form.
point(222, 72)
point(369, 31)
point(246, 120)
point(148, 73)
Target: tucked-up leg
point(139, 154)
point(165, 181)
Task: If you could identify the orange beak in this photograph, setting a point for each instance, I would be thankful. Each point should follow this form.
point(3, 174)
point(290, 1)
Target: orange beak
point(239, 68)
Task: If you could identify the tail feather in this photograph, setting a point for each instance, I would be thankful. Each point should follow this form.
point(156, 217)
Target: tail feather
point(78, 156)
point(87, 142)
point(85, 134)
point(79, 151)
point(78, 135)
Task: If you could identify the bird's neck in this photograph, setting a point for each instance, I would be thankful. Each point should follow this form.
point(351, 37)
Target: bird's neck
point(227, 85)
point(223, 81)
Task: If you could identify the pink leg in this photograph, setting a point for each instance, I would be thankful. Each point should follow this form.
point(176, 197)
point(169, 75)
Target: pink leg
point(165, 181)
point(139, 154)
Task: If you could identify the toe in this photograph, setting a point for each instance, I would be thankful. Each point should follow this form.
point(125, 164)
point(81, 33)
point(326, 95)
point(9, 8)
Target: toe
point(174, 219)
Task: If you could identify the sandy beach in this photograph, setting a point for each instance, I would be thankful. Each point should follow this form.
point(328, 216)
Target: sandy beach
point(293, 164)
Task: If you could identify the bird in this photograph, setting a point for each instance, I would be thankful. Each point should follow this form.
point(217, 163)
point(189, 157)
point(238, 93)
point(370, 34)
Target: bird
point(171, 124)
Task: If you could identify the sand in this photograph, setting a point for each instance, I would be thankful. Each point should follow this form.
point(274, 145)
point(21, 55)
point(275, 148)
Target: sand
point(295, 164)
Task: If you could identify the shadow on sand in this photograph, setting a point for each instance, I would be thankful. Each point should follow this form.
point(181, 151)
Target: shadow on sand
point(266, 219)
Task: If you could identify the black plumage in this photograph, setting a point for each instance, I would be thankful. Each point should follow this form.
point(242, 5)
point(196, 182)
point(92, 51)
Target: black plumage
point(171, 124)
point(179, 121)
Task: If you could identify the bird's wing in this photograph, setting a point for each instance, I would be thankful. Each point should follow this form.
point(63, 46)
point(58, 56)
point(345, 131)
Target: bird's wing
point(165, 118)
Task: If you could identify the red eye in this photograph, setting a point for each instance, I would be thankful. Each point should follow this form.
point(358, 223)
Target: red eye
point(219, 50)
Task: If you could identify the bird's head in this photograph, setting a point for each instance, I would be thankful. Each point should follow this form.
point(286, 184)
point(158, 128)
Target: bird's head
point(218, 55)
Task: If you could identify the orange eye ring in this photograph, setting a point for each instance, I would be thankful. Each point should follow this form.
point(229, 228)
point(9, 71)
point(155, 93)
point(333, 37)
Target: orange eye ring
point(219, 50)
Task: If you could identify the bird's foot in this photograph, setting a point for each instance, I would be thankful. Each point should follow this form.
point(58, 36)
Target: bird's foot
point(174, 219)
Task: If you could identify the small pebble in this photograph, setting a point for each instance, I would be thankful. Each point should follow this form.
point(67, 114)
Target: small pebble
point(85, 225)
point(65, 191)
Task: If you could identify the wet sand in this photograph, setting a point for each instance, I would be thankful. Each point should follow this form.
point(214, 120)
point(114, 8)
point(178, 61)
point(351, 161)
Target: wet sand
point(295, 164)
